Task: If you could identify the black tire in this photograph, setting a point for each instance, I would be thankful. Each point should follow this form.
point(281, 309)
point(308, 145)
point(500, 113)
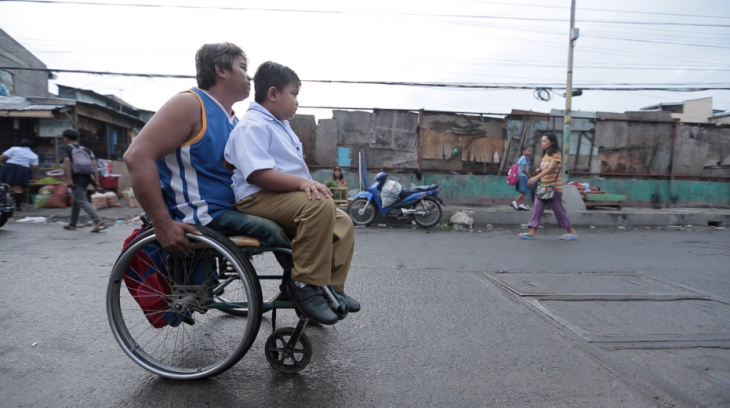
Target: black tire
point(368, 215)
point(434, 213)
point(274, 348)
point(4, 218)
point(207, 342)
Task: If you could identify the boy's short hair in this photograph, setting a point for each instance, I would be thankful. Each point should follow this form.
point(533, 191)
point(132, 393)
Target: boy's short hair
point(210, 55)
point(71, 135)
point(272, 74)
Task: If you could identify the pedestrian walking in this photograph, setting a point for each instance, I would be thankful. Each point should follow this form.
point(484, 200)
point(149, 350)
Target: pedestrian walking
point(550, 190)
point(79, 166)
point(523, 171)
point(18, 161)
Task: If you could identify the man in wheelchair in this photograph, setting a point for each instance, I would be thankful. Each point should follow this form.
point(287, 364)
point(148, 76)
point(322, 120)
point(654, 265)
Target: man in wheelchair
point(181, 150)
point(272, 180)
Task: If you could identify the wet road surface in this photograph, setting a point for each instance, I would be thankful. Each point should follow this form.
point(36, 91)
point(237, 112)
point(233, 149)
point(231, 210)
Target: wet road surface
point(449, 319)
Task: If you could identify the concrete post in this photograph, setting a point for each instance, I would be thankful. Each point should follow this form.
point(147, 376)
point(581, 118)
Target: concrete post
point(567, 121)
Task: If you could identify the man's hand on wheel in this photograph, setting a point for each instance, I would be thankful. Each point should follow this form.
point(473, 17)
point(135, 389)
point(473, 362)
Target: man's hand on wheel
point(312, 187)
point(171, 235)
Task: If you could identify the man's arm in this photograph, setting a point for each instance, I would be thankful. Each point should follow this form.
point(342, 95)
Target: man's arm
point(176, 122)
point(67, 171)
point(3, 158)
point(275, 180)
point(96, 173)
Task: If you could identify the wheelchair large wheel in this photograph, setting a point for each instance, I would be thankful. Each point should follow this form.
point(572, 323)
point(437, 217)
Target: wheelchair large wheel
point(164, 312)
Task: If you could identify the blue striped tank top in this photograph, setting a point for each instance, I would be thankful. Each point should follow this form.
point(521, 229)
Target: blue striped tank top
point(195, 183)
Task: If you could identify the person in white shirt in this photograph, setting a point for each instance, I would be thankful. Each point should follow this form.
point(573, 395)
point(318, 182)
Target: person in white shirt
point(18, 162)
point(271, 180)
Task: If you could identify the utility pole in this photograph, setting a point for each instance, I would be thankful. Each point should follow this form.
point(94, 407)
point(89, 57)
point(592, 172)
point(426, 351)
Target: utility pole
point(568, 119)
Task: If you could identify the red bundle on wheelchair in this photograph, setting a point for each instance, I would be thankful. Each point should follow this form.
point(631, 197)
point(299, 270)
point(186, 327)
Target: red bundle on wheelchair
point(148, 281)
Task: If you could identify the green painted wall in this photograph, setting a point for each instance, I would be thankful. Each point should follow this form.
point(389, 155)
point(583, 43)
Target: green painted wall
point(463, 189)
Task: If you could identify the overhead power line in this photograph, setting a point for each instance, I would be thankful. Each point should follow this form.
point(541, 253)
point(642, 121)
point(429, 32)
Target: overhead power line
point(496, 17)
point(604, 10)
point(456, 85)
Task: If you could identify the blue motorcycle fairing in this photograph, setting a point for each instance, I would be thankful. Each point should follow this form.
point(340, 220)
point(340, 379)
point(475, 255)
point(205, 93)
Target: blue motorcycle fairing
point(419, 196)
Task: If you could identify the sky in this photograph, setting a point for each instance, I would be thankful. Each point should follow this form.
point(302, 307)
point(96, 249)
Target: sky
point(460, 41)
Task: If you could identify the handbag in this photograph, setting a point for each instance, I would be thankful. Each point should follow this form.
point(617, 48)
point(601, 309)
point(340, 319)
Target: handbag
point(546, 192)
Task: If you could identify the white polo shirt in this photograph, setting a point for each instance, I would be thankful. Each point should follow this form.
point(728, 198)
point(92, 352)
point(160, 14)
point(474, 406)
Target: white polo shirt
point(21, 156)
point(258, 142)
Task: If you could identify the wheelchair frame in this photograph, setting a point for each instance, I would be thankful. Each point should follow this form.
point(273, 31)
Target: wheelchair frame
point(186, 299)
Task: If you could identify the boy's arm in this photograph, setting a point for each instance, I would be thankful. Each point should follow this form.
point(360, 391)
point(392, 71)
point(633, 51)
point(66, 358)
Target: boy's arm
point(275, 180)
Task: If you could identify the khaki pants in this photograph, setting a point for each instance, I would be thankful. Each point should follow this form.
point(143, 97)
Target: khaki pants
point(324, 236)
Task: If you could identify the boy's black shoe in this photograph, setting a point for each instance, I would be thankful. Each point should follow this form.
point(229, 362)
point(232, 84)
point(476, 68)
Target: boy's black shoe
point(354, 304)
point(311, 302)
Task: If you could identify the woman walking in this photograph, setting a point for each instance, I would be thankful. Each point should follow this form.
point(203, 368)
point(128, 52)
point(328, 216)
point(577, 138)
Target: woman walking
point(523, 171)
point(549, 175)
point(19, 160)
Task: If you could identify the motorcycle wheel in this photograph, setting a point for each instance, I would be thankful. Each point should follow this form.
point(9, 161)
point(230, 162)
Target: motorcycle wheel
point(4, 218)
point(433, 213)
point(368, 211)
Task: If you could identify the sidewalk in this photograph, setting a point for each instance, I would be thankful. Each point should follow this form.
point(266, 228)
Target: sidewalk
point(110, 215)
point(506, 215)
point(483, 215)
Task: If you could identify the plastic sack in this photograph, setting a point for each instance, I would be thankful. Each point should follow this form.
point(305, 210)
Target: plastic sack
point(99, 201)
point(112, 200)
point(128, 195)
point(46, 190)
point(390, 192)
point(463, 218)
point(41, 200)
point(59, 199)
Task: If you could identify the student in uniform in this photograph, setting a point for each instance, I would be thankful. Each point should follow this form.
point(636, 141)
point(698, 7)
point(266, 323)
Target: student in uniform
point(18, 160)
point(272, 180)
point(523, 171)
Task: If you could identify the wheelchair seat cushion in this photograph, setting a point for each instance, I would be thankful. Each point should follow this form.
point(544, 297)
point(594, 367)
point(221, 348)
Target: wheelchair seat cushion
point(239, 240)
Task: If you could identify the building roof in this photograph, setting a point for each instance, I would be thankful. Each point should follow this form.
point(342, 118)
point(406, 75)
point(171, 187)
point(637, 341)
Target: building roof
point(659, 106)
point(29, 105)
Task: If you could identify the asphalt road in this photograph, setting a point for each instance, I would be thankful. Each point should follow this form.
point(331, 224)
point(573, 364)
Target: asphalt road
point(437, 327)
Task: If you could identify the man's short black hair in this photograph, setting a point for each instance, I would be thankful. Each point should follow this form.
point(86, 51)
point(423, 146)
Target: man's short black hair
point(71, 135)
point(26, 143)
point(272, 74)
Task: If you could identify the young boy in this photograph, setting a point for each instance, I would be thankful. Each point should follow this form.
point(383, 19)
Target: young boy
point(271, 180)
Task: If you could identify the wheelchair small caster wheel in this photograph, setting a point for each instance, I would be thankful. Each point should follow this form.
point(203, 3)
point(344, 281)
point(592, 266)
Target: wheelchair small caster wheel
point(275, 347)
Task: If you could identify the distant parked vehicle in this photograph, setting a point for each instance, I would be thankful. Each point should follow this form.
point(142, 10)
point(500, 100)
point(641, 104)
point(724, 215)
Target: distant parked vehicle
point(6, 204)
point(422, 203)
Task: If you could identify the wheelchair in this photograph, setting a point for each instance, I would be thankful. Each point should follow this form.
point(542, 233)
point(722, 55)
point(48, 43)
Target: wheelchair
point(193, 315)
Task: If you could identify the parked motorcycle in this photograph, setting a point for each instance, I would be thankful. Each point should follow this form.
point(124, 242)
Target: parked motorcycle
point(421, 203)
point(6, 204)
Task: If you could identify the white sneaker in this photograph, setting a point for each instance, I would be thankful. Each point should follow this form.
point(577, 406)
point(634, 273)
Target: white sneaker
point(514, 205)
point(524, 207)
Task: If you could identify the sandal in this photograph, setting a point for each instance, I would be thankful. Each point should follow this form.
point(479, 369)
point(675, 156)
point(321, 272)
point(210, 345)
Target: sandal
point(569, 237)
point(70, 228)
point(98, 227)
point(525, 235)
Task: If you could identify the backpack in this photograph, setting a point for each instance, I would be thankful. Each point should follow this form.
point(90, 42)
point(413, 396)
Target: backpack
point(513, 175)
point(81, 161)
point(148, 280)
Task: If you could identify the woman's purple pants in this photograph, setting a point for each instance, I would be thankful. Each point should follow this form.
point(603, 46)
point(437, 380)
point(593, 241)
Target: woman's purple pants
point(557, 205)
